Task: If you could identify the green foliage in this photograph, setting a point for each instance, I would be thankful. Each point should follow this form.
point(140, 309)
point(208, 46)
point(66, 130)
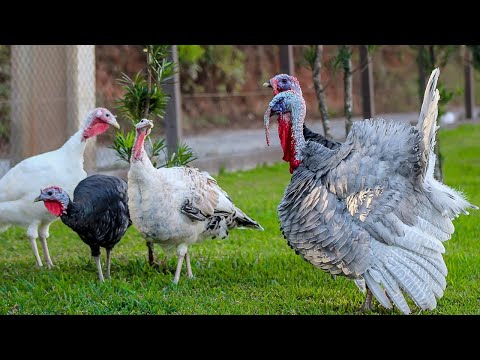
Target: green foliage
point(310, 55)
point(446, 95)
point(475, 49)
point(251, 272)
point(144, 97)
point(211, 68)
point(157, 58)
point(371, 49)
point(342, 58)
point(182, 156)
point(123, 144)
point(138, 96)
point(189, 57)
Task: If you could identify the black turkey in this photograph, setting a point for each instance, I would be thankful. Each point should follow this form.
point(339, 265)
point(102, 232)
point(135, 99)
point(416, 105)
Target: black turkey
point(98, 213)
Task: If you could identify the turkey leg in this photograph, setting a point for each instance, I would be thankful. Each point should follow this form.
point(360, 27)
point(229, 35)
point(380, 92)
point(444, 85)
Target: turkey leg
point(179, 268)
point(107, 275)
point(99, 267)
point(367, 305)
point(43, 232)
point(189, 267)
point(151, 254)
point(32, 233)
point(33, 243)
point(46, 254)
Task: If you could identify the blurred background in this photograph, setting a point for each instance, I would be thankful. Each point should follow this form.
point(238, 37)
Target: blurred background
point(217, 105)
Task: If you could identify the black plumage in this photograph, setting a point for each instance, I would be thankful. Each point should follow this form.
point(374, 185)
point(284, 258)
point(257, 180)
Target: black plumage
point(99, 214)
point(309, 135)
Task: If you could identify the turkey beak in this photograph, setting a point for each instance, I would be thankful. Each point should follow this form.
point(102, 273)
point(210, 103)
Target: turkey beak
point(114, 123)
point(38, 198)
point(267, 84)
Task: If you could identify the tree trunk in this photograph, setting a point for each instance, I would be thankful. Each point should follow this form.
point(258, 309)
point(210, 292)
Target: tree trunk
point(149, 86)
point(347, 85)
point(421, 63)
point(320, 91)
point(438, 171)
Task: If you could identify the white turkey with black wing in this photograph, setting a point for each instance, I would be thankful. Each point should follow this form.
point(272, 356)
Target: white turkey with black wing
point(370, 208)
point(178, 206)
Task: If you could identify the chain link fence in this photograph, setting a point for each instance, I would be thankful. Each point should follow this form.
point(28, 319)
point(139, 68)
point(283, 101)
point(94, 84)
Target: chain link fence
point(46, 91)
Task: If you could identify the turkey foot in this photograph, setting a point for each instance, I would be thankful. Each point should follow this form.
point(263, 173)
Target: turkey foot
point(367, 305)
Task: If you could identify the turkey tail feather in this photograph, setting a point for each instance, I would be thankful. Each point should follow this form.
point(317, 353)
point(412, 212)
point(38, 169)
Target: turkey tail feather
point(245, 221)
point(427, 120)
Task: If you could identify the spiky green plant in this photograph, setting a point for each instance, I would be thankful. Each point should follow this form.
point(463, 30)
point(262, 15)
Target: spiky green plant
point(145, 98)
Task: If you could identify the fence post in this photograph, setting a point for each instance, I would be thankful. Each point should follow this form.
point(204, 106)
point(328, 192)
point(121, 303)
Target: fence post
point(51, 91)
point(173, 113)
point(368, 103)
point(286, 60)
point(20, 97)
point(80, 66)
point(469, 85)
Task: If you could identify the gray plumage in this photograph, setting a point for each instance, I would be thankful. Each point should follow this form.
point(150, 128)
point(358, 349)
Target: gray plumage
point(371, 209)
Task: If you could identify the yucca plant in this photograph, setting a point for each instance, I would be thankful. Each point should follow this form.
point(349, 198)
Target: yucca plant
point(145, 98)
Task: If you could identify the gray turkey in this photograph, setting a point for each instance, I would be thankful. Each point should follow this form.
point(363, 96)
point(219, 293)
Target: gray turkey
point(284, 82)
point(371, 208)
point(178, 206)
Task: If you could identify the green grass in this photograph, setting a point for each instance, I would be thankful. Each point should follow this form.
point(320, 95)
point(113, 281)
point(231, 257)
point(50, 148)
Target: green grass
point(251, 272)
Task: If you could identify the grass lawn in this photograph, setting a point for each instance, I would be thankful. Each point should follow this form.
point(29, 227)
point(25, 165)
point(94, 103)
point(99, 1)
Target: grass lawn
point(251, 272)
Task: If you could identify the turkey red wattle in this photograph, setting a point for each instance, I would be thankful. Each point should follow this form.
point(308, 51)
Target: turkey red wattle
point(138, 145)
point(287, 140)
point(54, 207)
point(96, 127)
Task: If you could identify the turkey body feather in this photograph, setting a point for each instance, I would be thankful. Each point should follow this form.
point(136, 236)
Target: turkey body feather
point(176, 207)
point(371, 209)
point(99, 211)
point(20, 185)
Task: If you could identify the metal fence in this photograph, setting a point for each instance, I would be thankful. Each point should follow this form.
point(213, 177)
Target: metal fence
point(50, 90)
point(45, 92)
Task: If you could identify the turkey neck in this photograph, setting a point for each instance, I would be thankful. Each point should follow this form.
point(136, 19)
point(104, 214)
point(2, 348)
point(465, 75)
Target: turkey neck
point(141, 168)
point(75, 145)
point(65, 217)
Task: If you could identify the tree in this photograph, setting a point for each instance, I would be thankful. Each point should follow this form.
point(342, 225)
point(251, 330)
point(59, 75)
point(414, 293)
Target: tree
point(144, 97)
point(314, 55)
point(344, 58)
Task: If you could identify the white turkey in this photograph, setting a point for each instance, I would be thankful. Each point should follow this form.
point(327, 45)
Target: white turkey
point(62, 167)
point(371, 208)
point(178, 206)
